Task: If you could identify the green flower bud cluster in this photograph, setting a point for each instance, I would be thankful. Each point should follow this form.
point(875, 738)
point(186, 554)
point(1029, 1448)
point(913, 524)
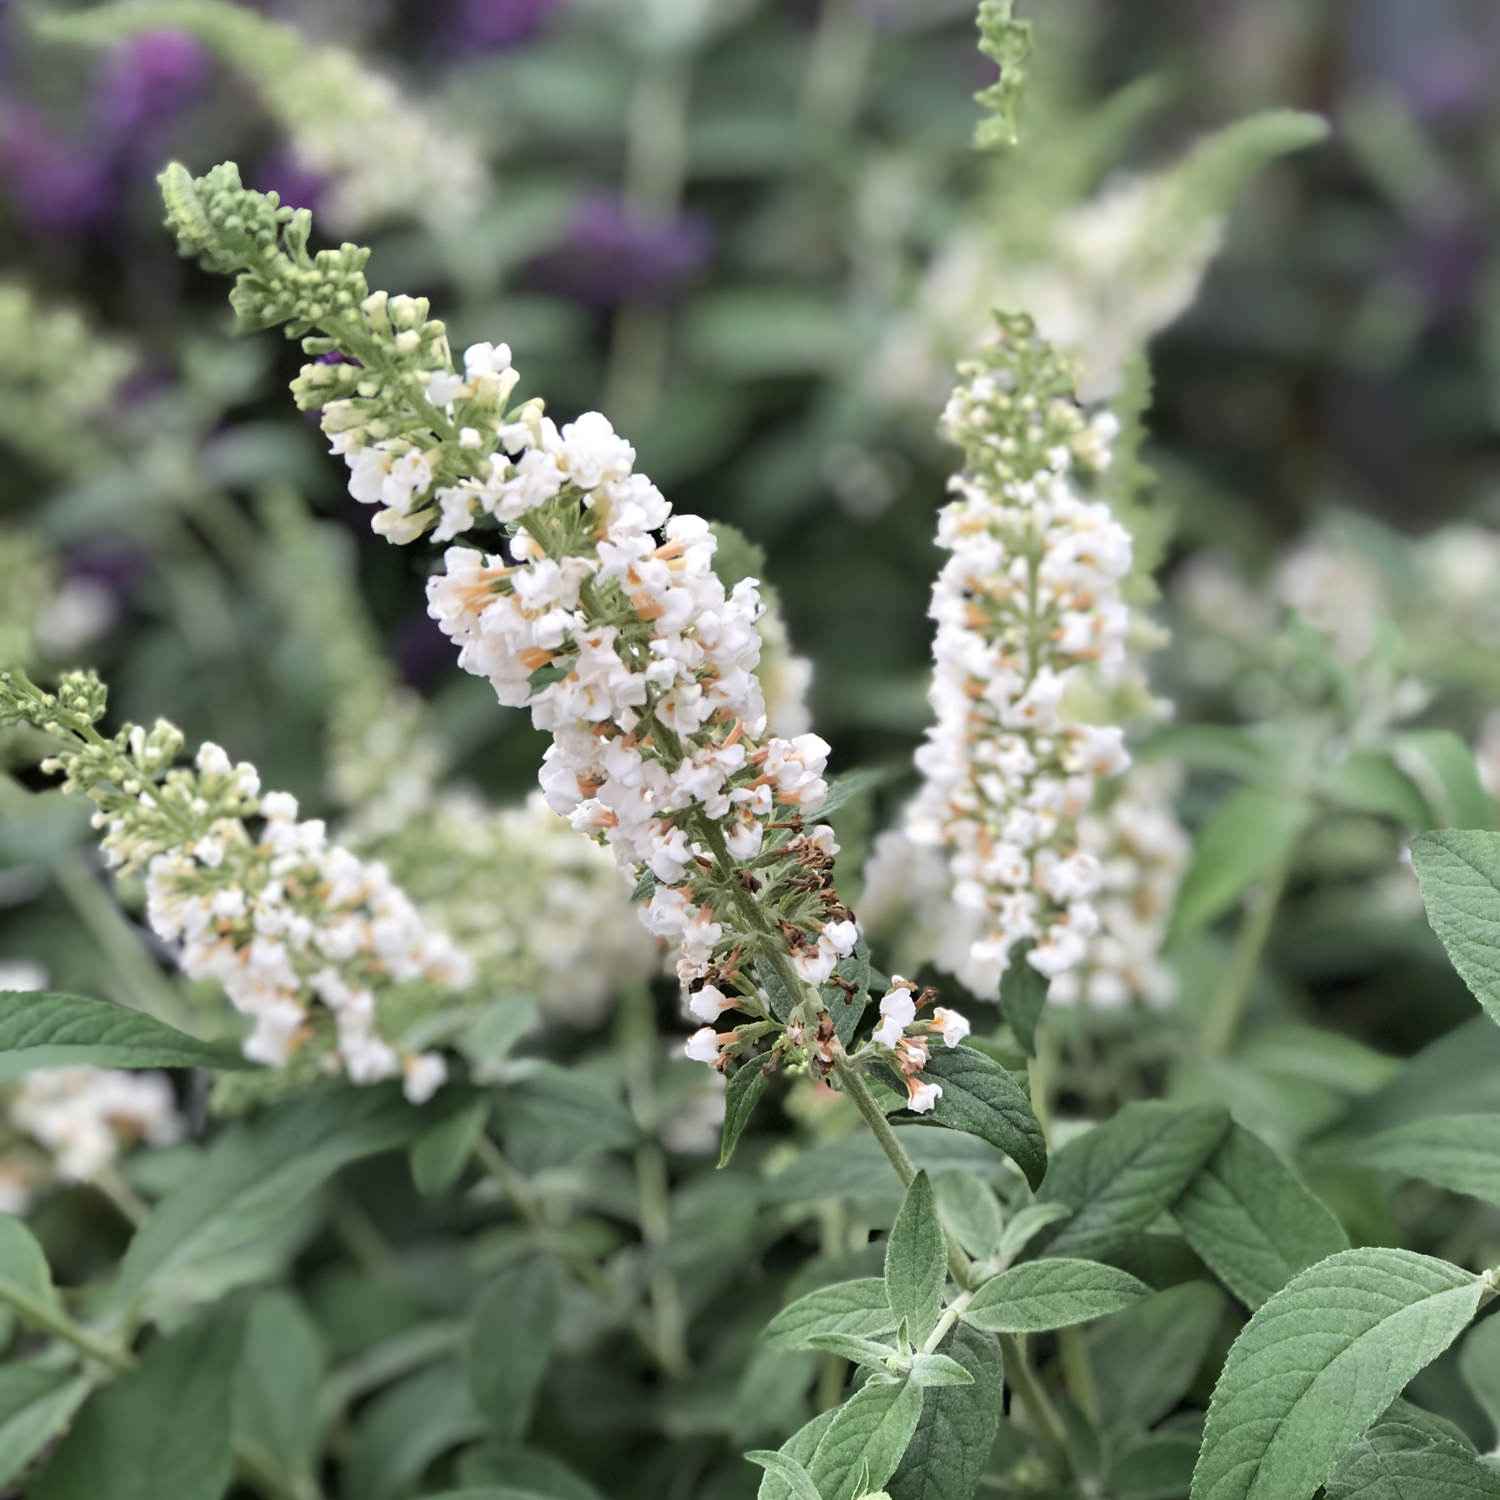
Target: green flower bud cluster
point(1007, 42)
point(59, 383)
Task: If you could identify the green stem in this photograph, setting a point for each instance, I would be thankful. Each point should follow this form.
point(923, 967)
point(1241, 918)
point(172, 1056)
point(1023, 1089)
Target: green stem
point(583, 1268)
point(1038, 1405)
point(1078, 1371)
point(114, 1357)
point(837, 66)
point(1228, 1005)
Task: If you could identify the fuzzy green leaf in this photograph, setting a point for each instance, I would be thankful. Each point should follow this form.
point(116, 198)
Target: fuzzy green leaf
point(282, 1365)
point(982, 1098)
point(969, 1212)
point(936, 1371)
point(860, 1308)
point(868, 1433)
point(438, 1156)
point(1319, 1362)
point(1161, 1468)
point(403, 1430)
point(1121, 1175)
point(1457, 1152)
point(512, 1340)
point(916, 1261)
point(25, 1278)
point(1442, 764)
point(858, 1351)
point(1025, 1225)
point(1023, 997)
point(1056, 1293)
point(1251, 1220)
point(1250, 832)
point(35, 1405)
point(161, 1429)
point(249, 1183)
point(1411, 1455)
point(43, 1029)
point(1147, 1357)
point(1479, 1365)
point(794, 1477)
point(746, 1085)
point(800, 1447)
point(948, 1450)
point(1459, 872)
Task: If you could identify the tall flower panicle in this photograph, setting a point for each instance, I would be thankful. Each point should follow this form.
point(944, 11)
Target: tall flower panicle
point(591, 605)
point(1027, 600)
point(541, 912)
point(321, 950)
point(380, 155)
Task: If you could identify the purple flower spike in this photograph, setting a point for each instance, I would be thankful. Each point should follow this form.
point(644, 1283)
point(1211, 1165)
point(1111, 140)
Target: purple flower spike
point(149, 80)
point(57, 186)
point(496, 24)
point(612, 253)
point(296, 185)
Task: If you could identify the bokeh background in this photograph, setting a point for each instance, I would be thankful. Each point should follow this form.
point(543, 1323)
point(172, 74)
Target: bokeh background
point(717, 220)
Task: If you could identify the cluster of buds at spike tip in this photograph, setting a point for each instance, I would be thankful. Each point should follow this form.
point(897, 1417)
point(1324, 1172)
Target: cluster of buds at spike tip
point(314, 945)
point(593, 605)
point(1027, 600)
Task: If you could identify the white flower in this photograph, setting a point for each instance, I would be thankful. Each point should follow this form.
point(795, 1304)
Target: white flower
point(922, 1096)
point(953, 1027)
point(707, 1003)
point(425, 1075)
point(703, 1046)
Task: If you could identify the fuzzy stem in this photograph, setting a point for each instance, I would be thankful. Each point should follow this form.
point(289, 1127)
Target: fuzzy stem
point(1039, 1408)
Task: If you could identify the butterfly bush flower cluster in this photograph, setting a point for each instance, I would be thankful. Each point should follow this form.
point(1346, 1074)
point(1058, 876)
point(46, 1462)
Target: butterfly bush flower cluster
point(376, 154)
point(587, 602)
point(1027, 600)
point(72, 1124)
point(318, 948)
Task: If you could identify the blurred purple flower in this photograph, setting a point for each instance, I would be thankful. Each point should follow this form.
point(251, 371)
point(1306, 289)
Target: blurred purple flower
point(56, 185)
point(118, 566)
point(296, 185)
point(1446, 261)
point(495, 24)
point(149, 80)
point(611, 252)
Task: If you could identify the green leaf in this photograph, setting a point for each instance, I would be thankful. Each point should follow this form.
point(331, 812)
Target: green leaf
point(438, 1156)
point(1046, 1294)
point(35, 1405)
point(916, 1261)
point(851, 784)
point(1023, 995)
point(43, 1029)
point(1025, 1225)
point(1457, 1152)
point(800, 1447)
point(1371, 781)
point(952, 1441)
point(798, 1481)
point(553, 671)
point(969, 1212)
point(746, 1085)
point(858, 1351)
point(1161, 1468)
point(405, 1428)
point(859, 1308)
point(1121, 1175)
point(935, 1371)
point(869, 1431)
point(981, 1098)
point(512, 1342)
point(1459, 1074)
point(249, 1184)
point(1251, 1220)
point(1319, 1362)
point(1247, 836)
point(1443, 766)
point(1411, 1455)
point(1479, 1365)
point(1147, 1357)
point(25, 1278)
point(568, 1109)
point(1459, 872)
point(527, 1469)
point(282, 1365)
point(161, 1429)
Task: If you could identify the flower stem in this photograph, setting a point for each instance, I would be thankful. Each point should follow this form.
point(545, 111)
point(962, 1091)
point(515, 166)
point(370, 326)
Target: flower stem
point(1228, 1006)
